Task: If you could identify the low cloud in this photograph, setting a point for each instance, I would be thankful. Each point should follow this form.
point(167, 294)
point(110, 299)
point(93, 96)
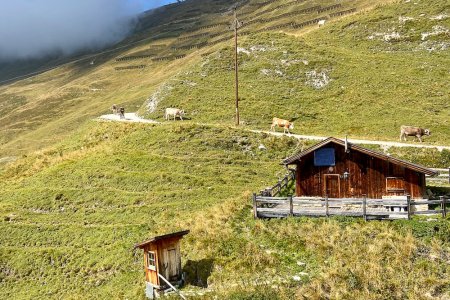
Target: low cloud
point(35, 28)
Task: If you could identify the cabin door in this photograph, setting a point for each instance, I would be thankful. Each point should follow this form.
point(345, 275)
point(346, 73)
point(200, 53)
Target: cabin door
point(173, 265)
point(332, 186)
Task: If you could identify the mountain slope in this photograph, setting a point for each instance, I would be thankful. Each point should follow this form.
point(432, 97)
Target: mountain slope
point(71, 212)
point(364, 76)
point(37, 111)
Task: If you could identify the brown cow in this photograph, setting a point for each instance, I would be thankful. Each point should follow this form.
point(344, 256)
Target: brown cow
point(122, 112)
point(115, 109)
point(413, 131)
point(282, 123)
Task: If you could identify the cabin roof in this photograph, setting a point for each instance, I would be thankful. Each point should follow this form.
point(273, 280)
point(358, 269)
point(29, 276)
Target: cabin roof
point(179, 234)
point(406, 164)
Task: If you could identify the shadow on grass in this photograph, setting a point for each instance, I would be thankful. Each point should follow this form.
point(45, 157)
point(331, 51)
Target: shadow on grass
point(198, 272)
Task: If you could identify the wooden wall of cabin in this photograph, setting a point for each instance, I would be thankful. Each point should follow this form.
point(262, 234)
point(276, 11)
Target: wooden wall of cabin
point(367, 176)
point(169, 258)
point(151, 276)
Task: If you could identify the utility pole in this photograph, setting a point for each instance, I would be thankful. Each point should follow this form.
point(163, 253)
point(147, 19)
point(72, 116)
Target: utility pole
point(236, 26)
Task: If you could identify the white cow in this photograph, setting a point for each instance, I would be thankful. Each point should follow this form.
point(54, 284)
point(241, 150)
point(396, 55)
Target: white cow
point(175, 112)
point(321, 23)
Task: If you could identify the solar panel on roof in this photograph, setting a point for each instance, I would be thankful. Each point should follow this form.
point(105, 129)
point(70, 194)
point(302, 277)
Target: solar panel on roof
point(324, 157)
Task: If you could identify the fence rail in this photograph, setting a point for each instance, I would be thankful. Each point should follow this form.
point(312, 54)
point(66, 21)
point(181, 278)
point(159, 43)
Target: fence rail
point(442, 176)
point(279, 186)
point(265, 206)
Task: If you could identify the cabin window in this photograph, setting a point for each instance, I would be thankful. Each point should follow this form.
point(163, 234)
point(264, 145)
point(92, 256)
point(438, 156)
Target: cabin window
point(151, 260)
point(324, 157)
point(395, 184)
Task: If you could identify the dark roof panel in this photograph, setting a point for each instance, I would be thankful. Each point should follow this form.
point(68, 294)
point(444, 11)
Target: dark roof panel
point(406, 164)
point(162, 237)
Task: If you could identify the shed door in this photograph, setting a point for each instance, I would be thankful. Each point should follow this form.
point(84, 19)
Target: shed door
point(332, 186)
point(173, 265)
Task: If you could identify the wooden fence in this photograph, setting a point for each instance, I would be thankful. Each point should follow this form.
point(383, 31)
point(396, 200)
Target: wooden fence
point(279, 186)
point(279, 207)
point(130, 67)
point(134, 57)
point(442, 176)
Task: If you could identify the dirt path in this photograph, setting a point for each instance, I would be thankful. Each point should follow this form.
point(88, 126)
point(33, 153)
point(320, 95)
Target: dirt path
point(134, 118)
point(356, 141)
point(129, 117)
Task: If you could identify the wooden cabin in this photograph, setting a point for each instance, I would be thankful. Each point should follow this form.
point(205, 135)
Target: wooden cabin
point(162, 257)
point(338, 169)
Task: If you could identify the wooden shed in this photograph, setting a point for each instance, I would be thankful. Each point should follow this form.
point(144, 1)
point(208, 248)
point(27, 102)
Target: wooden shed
point(338, 169)
point(162, 261)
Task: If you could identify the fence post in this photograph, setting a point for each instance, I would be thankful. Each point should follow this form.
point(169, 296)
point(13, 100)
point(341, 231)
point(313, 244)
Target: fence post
point(255, 207)
point(408, 203)
point(448, 174)
point(327, 213)
point(443, 206)
point(365, 207)
point(291, 206)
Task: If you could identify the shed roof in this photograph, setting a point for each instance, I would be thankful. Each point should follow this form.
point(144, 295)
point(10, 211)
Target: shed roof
point(162, 237)
point(406, 164)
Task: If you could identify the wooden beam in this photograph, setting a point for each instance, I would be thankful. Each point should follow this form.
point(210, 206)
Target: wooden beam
point(171, 286)
point(291, 206)
point(365, 208)
point(408, 201)
point(255, 208)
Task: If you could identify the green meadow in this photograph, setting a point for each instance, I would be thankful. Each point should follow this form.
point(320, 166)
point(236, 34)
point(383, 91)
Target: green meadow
point(78, 193)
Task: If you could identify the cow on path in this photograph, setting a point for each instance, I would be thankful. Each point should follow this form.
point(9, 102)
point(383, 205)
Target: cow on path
point(413, 131)
point(282, 123)
point(175, 112)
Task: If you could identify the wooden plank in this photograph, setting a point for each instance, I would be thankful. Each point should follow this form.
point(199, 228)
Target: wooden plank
point(391, 213)
point(387, 202)
point(271, 215)
point(308, 198)
point(296, 202)
point(346, 213)
point(261, 198)
point(444, 206)
point(172, 287)
point(291, 206)
point(408, 199)
point(428, 212)
point(346, 202)
point(273, 210)
point(309, 214)
point(421, 202)
point(255, 207)
point(273, 201)
point(365, 208)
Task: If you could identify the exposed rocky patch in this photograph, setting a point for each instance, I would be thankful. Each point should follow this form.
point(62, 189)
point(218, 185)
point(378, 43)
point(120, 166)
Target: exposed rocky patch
point(158, 96)
point(317, 79)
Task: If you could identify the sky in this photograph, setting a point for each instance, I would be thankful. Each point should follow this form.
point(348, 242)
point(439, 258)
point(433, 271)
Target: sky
point(35, 28)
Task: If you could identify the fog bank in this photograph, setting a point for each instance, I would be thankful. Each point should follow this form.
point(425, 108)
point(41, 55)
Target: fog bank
point(35, 28)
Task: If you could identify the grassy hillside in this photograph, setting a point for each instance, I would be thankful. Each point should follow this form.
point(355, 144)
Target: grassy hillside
point(346, 78)
point(41, 110)
point(70, 215)
point(71, 212)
